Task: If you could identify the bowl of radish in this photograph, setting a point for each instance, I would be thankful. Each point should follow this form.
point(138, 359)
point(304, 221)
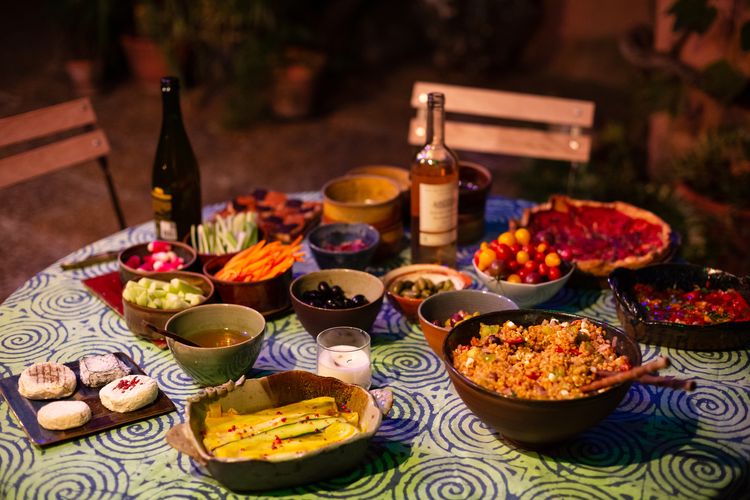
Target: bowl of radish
point(145, 259)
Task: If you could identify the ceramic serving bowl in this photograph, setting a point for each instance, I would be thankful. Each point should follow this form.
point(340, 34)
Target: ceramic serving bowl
point(533, 423)
point(323, 237)
point(639, 326)
point(135, 315)
point(216, 365)
point(371, 199)
point(269, 297)
point(474, 184)
point(248, 396)
point(435, 310)
point(433, 272)
point(399, 175)
point(523, 294)
point(352, 282)
point(127, 272)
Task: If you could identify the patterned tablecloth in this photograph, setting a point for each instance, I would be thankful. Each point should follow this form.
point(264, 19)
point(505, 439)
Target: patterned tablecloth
point(658, 443)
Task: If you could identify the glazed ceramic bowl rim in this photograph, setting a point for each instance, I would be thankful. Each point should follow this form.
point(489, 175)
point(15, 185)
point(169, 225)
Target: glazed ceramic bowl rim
point(212, 276)
point(464, 290)
point(438, 267)
point(144, 273)
point(359, 204)
point(486, 277)
point(327, 271)
point(368, 227)
point(195, 310)
point(622, 337)
point(481, 168)
point(203, 277)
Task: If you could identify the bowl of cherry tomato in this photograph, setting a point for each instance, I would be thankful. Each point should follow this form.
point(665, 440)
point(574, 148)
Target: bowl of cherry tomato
point(525, 271)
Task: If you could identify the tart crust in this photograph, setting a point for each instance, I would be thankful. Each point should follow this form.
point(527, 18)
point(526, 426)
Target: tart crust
point(597, 266)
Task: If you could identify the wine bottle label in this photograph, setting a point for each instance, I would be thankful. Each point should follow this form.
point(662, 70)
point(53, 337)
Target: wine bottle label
point(438, 214)
point(166, 228)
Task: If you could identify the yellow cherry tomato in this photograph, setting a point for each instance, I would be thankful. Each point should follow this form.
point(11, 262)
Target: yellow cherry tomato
point(552, 259)
point(484, 245)
point(541, 247)
point(523, 236)
point(522, 256)
point(507, 238)
point(486, 257)
point(513, 278)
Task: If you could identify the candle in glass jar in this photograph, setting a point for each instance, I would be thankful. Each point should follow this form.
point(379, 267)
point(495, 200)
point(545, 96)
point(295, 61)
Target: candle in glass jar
point(346, 363)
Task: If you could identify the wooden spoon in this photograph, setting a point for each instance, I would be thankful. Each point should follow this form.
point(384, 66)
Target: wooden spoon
point(169, 334)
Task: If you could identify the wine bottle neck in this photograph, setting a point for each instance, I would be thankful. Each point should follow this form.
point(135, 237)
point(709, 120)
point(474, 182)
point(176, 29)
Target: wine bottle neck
point(171, 105)
point(436, 119)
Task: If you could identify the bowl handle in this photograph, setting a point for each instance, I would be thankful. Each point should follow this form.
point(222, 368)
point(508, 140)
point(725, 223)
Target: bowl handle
point(177, 439)
point(384, 400)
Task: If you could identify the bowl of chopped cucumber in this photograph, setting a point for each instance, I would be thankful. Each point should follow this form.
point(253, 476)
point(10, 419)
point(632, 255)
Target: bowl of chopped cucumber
point(157, 298)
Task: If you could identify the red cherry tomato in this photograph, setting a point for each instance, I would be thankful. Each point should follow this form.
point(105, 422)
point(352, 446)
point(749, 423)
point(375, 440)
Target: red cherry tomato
point(515, 248)
point(564, 253)
point(523, 272)
point(532, 278)
point(554, 273)
point(543, 269)
point(514, 265)
point(504, 252)
point(531, 266)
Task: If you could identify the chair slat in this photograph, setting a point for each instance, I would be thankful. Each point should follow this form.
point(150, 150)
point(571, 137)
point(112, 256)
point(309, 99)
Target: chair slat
point(508, 105)
point(496, 139)
point(52, 157)
point(46, 121)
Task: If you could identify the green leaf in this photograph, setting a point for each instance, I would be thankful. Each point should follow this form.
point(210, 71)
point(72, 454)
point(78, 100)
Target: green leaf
point(745, 37)
point(722, 81)
point(692, 15)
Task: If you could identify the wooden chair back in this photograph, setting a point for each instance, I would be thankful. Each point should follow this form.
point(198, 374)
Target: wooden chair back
point(472, 117)
point(53, 138)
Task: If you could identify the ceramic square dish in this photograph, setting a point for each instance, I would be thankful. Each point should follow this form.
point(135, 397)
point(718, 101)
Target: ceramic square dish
point(248, 396)
point(636, 323)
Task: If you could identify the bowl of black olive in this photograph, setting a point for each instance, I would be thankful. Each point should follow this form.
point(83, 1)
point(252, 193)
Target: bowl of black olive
point(336, 297)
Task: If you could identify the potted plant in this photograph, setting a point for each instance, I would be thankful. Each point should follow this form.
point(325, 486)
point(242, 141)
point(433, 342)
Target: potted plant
point(713, 191)
point(144, 53)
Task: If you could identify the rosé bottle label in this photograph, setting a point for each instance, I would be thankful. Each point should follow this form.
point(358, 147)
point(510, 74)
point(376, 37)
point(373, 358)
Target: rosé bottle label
point(438, 214)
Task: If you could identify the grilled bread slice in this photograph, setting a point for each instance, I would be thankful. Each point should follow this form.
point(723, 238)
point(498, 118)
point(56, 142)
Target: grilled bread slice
point(46, 381)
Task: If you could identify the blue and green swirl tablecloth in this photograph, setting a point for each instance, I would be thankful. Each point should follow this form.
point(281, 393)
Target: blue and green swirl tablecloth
point(659, 443)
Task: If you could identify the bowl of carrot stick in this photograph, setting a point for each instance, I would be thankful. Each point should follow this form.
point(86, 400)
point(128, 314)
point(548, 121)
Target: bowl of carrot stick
point(257, 277)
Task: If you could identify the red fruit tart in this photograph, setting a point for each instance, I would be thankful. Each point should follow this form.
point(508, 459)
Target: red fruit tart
point(597, 236)
point(279, 216)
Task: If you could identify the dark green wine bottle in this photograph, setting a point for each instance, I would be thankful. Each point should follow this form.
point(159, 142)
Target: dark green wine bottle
point(175, 181)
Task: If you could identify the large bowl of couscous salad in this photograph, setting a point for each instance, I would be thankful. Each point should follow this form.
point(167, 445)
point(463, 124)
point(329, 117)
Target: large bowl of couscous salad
point(525, 372)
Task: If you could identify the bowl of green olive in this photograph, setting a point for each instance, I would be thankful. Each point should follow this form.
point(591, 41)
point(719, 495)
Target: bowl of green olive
point(406, 287)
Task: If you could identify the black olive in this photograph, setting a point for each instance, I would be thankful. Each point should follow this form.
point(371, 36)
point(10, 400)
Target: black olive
point(317, 303)
point(336, 291)
point(359, 299)
point(349, 303)
point(324, 287)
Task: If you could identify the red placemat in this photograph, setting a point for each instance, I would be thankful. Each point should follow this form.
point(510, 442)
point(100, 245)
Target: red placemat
point(108, 288)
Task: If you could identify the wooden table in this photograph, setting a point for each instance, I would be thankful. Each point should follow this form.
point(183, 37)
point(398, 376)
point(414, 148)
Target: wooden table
point(659, 443)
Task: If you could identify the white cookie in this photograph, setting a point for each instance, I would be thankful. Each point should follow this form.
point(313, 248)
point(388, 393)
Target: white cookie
point(61, 415)
point(47, 381)
point(129, 393)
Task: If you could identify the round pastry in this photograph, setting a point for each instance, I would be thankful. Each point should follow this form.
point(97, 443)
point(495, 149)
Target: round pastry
point(46, 381)
point(61, 415)
point(129, 393)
